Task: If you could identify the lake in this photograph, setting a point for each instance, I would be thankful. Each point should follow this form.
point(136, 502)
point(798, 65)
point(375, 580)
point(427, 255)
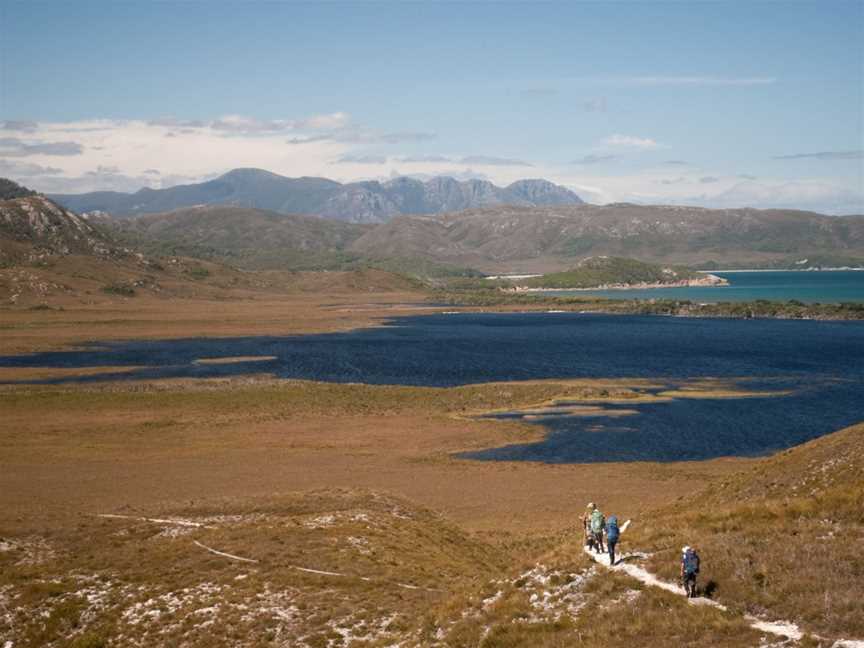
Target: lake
point(821, 362)
point(826, 287)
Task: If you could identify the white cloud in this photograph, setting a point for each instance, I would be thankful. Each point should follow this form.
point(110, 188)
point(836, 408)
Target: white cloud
point(14, 147)
point(808, 195)
point(629, 141)
point(488, 160)
point(695, 80)
point(595, 159)
point(420, 159)
point(857, 154)
point(361, 159)
point(358, 135)
point(18, 125)
point(25, 169)
point(125, 155)
point(333, 121)
point(655, 186)
point(181, 150)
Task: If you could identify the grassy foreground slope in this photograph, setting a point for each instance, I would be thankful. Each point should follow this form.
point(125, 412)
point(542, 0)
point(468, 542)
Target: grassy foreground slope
point(784, 540)
point(312, 569)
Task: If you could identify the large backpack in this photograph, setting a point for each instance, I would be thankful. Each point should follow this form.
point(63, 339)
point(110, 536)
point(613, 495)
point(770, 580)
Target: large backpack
point(597, 521)
point(691, 563)
point(612, 531)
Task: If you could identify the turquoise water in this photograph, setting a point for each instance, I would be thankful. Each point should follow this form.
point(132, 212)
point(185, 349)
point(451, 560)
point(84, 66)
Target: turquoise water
point(826, 287)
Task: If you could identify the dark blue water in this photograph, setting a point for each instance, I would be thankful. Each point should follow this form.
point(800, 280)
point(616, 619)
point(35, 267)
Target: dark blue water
point(826, 287)
point(822, 362)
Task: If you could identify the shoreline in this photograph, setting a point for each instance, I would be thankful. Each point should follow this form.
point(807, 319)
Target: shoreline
point(708, 281)
point(841, 269)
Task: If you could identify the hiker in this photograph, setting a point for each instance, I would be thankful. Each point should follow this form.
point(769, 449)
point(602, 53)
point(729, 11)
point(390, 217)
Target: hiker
point(597, 524)
point(689, 570)
point(612, 535)
point(586, 525)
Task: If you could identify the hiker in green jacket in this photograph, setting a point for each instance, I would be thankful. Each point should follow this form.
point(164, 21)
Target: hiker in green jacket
point(597, 524)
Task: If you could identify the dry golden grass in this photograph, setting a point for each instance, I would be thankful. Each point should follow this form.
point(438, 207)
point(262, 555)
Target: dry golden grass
point(135, 582)
point(84, 449)
point(226, 303)
point(573, 604)
point(181, 447)
point(784, 540)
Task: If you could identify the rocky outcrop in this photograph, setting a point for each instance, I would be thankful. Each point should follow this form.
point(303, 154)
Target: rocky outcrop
point(36, 227)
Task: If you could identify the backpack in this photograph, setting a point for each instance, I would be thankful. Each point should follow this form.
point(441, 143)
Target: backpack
point(597, 521)
point(612, 531)
point(691, 563)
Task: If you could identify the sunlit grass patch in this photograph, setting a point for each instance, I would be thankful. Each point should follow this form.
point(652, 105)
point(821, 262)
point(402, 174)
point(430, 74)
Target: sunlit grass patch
point(782, 542)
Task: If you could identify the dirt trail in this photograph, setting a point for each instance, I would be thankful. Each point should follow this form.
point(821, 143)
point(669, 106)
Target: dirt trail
point(229, 556)
point(785, 629)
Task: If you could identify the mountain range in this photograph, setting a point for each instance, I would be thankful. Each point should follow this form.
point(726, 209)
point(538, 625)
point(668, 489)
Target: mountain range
point(498, 238)
point(356, 202)
point(542, 239)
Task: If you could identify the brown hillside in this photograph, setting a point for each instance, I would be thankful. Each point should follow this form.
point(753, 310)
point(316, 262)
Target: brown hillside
point(783, 540)
point(549, 238)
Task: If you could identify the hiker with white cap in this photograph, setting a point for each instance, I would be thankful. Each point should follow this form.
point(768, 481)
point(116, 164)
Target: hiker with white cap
point(598, 523)
point(586, 525)
point(689, 570)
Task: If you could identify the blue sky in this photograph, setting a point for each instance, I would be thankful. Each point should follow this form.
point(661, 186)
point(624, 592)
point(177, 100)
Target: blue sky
point(714, 103)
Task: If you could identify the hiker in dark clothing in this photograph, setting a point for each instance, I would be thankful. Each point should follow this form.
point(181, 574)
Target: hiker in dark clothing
point(689, 570)
point(612, 535)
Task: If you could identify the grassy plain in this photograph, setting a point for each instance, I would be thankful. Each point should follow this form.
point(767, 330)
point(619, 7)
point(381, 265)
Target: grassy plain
point(355, 481)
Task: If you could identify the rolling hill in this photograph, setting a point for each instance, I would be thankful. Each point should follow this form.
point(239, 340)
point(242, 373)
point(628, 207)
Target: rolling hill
point(357, 202)
point(257, 239)
point(243, 236)
point(51, 256)
point(543, 239)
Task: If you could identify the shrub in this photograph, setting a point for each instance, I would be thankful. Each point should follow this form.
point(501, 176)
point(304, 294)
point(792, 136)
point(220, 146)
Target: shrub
point(119, 288)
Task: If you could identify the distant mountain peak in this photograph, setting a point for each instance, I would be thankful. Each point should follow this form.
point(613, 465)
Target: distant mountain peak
point(360, 202)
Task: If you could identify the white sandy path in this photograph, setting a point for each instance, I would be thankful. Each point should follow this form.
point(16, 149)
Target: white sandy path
point(223, 554)
point(177, 522)
point(784, 629)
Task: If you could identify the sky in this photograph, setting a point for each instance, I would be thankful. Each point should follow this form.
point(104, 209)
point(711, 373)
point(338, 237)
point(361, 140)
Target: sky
point(720, 104)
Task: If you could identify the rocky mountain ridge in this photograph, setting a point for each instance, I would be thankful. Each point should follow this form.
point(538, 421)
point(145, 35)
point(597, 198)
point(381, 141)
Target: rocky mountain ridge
point(356, 202)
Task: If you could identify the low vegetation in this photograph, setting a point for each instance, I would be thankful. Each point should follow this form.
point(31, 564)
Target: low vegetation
point(802, 261)
point(611, 271)
point(119, 288)
point(10, 190)
point(326, 568)
point(476, 294)
point(782, 541)
point(256, 239)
